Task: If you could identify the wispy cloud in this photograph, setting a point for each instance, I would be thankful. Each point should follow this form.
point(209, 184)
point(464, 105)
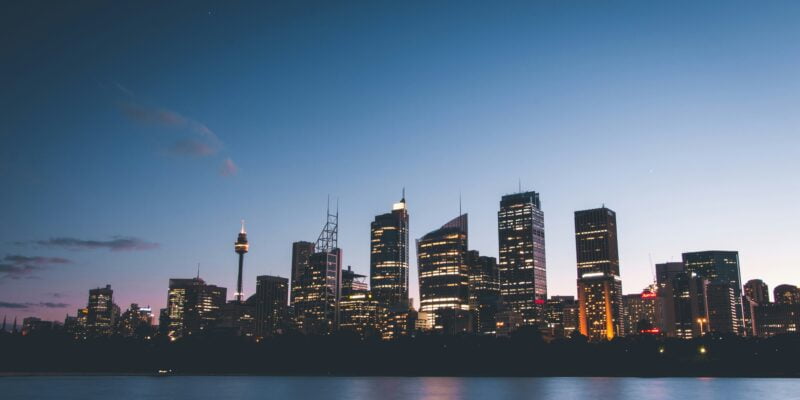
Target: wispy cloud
point(117, 243)
point(228, 168)
point(44, 304)
point(203, 143)
point(16, 266)
point(190, 147)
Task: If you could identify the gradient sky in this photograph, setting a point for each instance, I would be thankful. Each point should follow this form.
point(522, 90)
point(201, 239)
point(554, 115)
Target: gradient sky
point(135, 136)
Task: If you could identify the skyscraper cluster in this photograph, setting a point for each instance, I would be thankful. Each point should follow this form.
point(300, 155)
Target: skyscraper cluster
point(461, 291)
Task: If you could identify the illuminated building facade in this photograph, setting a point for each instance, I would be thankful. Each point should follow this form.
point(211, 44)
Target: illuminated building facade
point(389, 258)
point(398, 324)
point(484, 292)
point(272, 296)
point(301, 252)
point(562, 315)
point(772, 319)
point(719, 266)
point(640, 312)
point(599, 286)
point(316, 299)
point(787, 294)
point(522, 267)
point(136, 322)
point(443, 270)
point(193, 306)
point(101, 312)
point(506, 322)
point(361, 313)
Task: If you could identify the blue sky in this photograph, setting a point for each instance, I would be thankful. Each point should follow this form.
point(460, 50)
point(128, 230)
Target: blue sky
point(119, 121)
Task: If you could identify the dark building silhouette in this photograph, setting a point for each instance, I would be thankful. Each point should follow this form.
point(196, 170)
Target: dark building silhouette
point(721, 307)
point(757, 290)
point(389, 258)
point(599, 285)
point(787, 294)
point(236, 318)
point(271, 298)
point(719, 266)
point(301, 251)
point(193, 307)
point(101, 312)
point(241, 247)
point(443, 272)
point(522, 266)
point(687, 299)
point(666, 271)
point(484, 292)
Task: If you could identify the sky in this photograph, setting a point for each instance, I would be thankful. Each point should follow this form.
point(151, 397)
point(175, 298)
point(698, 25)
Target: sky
point(135, 136)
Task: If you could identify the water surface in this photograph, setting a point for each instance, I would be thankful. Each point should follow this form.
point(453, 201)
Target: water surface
point(390, 388)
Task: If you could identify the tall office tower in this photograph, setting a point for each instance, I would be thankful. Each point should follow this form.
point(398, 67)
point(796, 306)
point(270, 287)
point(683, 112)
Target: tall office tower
point(272, 296)
point(721, 307)
point(666, 271)
point(241, 247)
point(136, 322)
point(522, 267)
point(787, 294)
point(719, 266)
point(484, 292)
point(562, 315)
point(389, 257)
point(100, 316)
point(757, 290)
point(301, 251)
point(319, 285)
point(444, 274)
point(688, 301)
point(599, 286)
point(193, 306)
point(640, 312)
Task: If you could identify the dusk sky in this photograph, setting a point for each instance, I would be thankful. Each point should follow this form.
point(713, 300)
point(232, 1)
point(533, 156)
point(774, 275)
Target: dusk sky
point(134, 138)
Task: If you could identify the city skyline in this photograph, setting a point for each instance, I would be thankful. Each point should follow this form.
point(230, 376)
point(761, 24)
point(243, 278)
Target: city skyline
point(130, 154)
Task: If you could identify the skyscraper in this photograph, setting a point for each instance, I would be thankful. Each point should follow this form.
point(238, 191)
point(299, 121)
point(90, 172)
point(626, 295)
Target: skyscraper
point(666, 271)
point(192, 306)
point(272, 295)
point(599, 285)
point(484, 292)
point(389, 258)
point(687, 300)
point(719, 266)
point(721, 307)
point(522, 267)
point(101, 312)
point(316, 302)
point(241, 247)
point(136, 322)
point(301, 251)
point(359, 311)
point(443, 271)
point(756, 290)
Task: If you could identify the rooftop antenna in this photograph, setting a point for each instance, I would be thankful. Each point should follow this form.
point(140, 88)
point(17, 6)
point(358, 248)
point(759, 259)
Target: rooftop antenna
point(459, 203)
point(403, 199)
point(242, 231)
point(198, 270)
point(519, 183)
point(652, 267)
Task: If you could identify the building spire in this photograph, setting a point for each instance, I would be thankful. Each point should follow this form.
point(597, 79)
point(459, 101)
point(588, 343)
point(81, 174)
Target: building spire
point(403, 199)
point(242, 231)
point(198, 270)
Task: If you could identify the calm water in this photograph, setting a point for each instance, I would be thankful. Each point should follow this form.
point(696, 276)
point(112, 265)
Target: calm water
point(247, 387)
